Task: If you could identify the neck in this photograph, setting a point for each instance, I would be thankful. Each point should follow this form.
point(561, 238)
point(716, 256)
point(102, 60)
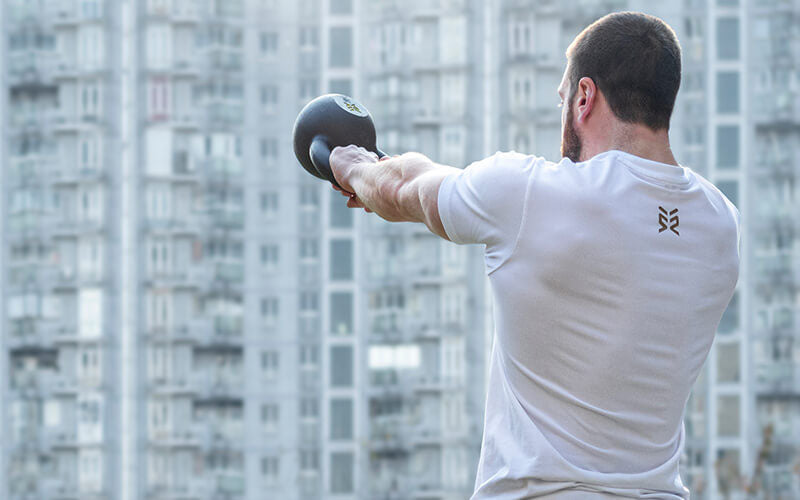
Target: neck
point(635, 139)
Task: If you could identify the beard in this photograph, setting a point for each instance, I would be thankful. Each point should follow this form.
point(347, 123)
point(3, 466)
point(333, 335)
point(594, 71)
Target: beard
point(571, 144)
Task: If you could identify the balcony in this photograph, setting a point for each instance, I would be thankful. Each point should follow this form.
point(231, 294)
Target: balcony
point(388, 327)
point(188, 225)
point(170, 385)
point(221, 435)
point(778, 378)
point(219, 387)
point(30, 169)
point(72, 122)
point(31, 67)
point(422, 329)
point(223, 114)
point(186, 67)
point(32, 120)
point(777, 110)
point(428, 383)
point(192, 276)
point(185, 120)
point(425, 9)
point(65, 176)
point(185, 436)
point(427, 116)
point(31, 335)
point(389, 434)
point(427, 434)
point(225, 59)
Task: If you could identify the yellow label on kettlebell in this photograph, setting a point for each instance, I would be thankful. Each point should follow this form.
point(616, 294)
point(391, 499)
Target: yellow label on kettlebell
point(350, 105)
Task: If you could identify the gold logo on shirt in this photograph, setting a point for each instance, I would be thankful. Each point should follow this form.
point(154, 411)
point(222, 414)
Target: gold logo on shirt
point(665, 217)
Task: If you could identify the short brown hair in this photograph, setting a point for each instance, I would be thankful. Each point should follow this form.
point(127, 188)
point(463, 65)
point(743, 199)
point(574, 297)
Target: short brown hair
point(634, 59)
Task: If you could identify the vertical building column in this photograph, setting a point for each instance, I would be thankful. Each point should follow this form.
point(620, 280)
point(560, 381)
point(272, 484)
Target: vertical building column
point(128, 278)
point(727, 374)
point(342, 335)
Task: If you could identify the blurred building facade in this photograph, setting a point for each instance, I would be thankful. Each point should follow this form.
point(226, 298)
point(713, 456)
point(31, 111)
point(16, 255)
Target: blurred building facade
point(187, 314)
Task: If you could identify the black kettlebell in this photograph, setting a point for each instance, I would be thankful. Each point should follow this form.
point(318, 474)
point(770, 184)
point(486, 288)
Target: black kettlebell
point(326, 122)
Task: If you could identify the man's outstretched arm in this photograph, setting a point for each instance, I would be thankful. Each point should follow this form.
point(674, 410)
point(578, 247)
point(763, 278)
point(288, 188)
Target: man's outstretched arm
point(403, 188)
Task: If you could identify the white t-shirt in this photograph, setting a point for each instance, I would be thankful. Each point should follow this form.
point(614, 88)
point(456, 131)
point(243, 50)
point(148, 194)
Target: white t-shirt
point(609, 278)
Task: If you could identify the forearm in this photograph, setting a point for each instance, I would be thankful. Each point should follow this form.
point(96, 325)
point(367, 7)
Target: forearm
point(390, 188)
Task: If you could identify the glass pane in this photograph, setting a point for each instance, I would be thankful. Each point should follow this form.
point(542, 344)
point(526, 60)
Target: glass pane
point(728, 92)
point(341, 260)
point(728, 146)
point(730, 189)
point(341, 6)
point(341, 313)
point(341, 366)
point(341, 418)
point(730, 319)
point(341, 86)
point(728, 38)
point(728, 415)
point(341, 51)
point(728, 362)
point(341, 215)
point(341, 472)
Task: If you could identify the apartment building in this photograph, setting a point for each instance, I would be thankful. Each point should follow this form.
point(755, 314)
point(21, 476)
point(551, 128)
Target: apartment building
point(424, 299)
point(161, 261)
point(188, 314)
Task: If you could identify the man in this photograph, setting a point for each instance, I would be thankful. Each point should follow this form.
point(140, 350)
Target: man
point(610, 271)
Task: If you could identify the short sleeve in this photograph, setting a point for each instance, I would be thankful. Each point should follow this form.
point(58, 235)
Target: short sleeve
point(484, 203)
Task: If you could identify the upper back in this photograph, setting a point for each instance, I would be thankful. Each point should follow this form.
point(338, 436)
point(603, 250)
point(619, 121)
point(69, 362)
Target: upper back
point(607, 300)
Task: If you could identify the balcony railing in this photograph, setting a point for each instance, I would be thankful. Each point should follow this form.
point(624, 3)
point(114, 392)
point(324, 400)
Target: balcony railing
point(778, 377)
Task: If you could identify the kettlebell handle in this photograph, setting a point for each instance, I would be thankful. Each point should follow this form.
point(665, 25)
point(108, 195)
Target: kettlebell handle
point(320, 152)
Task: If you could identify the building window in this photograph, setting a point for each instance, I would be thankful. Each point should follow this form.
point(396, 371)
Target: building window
point(269, 148)
point(269, 364)
point(309, 461)
point(341, 467)
point(341, 418)
point(728, 38)
point(269, 204)
point(309, 356)
point(341, 47)
point(309, 198)
point(728, 422)
point(309, 302)
point(269, 98)
point(728, 146)
point(270, 310)
point(269, 43)
point(341, 7)
point(342, 256)
point(308, 89)
point(341, 86)
point(730, 189)
point(270, 256)
point(341, 366)
point(309, 408)
point(730, 318)
point(309, 249)
point(341, 313)
point(270, 416)
point(728, 363)
point(308, 37)
point(728, 92)
point(341, 215)
point(270, 469)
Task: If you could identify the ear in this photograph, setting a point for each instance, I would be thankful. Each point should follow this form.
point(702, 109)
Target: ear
point(585, 97)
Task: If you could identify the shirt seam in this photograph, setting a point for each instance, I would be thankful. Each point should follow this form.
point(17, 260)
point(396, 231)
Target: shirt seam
point(521, 221)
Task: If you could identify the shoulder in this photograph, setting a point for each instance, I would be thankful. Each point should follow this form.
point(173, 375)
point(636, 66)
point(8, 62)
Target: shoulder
point(506, 166)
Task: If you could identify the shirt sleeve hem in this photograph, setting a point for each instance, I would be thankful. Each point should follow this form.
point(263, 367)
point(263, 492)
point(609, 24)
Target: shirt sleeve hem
point(443, 203)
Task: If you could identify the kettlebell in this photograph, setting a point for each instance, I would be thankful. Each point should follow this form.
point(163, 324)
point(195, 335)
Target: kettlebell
point(326, 122)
